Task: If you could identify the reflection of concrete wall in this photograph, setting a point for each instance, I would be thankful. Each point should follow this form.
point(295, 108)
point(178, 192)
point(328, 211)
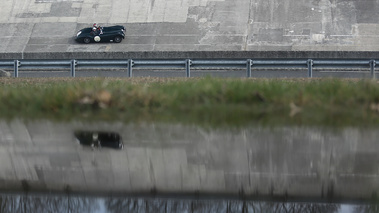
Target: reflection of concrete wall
point(291, 161)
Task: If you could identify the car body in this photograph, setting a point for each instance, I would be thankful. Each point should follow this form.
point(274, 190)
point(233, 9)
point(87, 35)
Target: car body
point(99, 139)
point(101, 34)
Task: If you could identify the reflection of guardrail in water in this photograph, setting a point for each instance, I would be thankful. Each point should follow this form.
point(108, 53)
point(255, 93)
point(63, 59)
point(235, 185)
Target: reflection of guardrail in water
point(187, 64)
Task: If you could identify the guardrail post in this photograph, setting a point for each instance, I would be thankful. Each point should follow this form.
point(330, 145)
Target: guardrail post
point(249, 64)
point(310, 65)
point(130, 67)
point(73, 64)
point(372, 68)
point(188, 68)
point(15, 68)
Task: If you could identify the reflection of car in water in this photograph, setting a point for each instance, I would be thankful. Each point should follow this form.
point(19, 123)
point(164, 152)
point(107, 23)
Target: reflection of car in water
point(99, 139)
point(101, 34)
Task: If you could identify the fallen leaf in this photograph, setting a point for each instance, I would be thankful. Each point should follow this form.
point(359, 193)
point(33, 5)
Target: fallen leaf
point(104, 97)
point(374, 107)
point(86, 100)
point(294, 109)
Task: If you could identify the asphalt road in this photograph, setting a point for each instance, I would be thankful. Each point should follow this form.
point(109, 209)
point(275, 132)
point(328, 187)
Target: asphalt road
point(30, 26)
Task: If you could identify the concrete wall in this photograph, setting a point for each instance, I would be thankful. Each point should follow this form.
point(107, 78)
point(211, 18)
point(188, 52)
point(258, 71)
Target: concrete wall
point(286, 162)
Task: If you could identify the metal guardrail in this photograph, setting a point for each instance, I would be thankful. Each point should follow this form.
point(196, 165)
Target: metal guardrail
point(187, 64)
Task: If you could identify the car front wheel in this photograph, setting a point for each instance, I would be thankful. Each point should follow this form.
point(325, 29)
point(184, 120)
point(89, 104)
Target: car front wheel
point(86, 40)
point(117, 39)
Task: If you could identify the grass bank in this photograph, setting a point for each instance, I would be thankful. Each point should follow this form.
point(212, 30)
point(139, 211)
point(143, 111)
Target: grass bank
point(206, 101)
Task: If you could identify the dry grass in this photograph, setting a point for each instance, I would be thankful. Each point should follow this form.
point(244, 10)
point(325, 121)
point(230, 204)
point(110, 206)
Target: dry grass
point(197, 100)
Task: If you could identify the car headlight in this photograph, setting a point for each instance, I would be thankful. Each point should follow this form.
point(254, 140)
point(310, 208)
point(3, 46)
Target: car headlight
point(78, 33)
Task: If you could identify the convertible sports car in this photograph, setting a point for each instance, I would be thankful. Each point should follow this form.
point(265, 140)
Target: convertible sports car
point(101, 34)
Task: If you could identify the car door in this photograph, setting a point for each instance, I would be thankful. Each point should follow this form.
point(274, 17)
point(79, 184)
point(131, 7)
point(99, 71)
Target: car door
point(106, 36)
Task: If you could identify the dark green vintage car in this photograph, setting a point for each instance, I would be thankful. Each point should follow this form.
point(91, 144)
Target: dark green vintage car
point(101, 34)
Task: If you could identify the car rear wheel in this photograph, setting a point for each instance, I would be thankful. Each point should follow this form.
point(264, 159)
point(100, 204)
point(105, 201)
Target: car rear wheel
point(86, 40)
point(117, 39)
